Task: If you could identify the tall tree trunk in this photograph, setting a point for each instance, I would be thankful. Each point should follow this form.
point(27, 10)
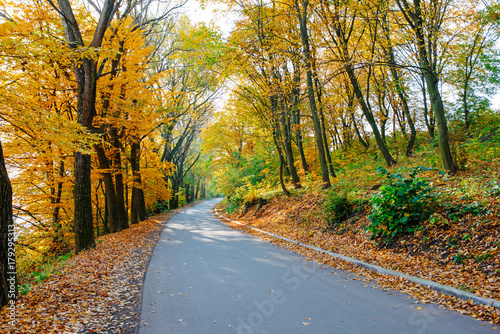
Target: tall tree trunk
point(197, 191)
point(400, 91)
point(287, 145)
point(140, 202)
point(8, 277)
point(138, 206)
point(304, 35)
point(282, 182)
point(111, 199)
point(349, 68)
point(56, 194)
point(442, 127)
point(83, 224)
point(319, 94)
point(465, 105)
point(143, 213)
point(414, 17)
point(86, 78)
point(105, 221)
point(356, 129)
point(369, 117)
point(327, 149)
point(119, 186)
point(428, 114)
point(296, 118)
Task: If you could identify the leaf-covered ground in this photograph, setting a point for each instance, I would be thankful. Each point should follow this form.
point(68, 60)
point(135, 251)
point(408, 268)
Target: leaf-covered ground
point(460, 248)
point(97, 291)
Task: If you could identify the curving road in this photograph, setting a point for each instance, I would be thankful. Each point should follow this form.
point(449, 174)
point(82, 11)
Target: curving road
point(205, 278)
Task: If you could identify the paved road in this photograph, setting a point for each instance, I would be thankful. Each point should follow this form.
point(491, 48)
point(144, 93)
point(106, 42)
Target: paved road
point(205, 278)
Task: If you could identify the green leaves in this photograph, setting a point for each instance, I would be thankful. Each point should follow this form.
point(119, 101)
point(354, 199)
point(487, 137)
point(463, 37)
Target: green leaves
point(336, 208)
point(401, 203)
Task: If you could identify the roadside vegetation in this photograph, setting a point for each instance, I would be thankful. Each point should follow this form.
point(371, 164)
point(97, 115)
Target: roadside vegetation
point(412, 217)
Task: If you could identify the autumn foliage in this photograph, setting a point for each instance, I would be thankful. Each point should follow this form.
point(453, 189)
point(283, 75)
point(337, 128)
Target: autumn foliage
point(154, 87)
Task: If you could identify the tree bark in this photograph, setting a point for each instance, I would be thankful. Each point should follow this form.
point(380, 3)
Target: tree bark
point(287, 145)
point(111, 199)
point(428, 116)
point(86, 77)
point(137, 202)
point(8, 276)
point(369, 117)
point(119, 186)
point(282, 182)
point(296, 118)
point(304, 35)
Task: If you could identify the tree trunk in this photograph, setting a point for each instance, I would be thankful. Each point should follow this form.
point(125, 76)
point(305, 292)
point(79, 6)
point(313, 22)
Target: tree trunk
point(442, 127)
point(428, 116)
point(197, 191)
point(343, 38)
point(86, 78)
point(302, 17)
point(287, 144)
point(8, 277)
point(413, 15)
point(111, 199)
point(136, 181)
point(356, 129)
point(282, 182)
point(56, 199)
point(369, 117)
point(400, 89)
point(119, 186)
point(83, 224)
point(296, 119)
point(432, 81)
point(327, 149)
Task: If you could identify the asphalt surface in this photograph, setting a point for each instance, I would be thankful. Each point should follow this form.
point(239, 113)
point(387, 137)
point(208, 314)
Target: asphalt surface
point(206, 278)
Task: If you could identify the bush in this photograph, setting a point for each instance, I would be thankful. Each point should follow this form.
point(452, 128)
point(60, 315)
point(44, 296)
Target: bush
point(401, 203)
point(336, 208)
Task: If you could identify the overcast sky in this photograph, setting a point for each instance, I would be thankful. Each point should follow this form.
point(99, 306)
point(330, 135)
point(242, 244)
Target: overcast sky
point(212, 13)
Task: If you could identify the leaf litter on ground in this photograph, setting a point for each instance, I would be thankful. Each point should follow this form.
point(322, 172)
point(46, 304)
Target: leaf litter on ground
point(97, 291)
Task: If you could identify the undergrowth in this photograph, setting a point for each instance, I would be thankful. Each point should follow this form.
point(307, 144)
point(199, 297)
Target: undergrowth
point(45, 270)
point(400, 204)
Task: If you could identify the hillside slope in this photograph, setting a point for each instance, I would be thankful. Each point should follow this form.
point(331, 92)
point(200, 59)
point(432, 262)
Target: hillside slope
point(458, 248)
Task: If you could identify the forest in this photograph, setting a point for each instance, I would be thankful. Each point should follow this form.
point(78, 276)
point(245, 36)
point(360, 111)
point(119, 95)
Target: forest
point(114, 111)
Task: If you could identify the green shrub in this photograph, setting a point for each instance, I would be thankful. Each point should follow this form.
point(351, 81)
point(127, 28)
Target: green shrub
point(336, 208)
point(401, 203)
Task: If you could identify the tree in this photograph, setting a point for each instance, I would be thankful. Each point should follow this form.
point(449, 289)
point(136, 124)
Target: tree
point(302, 12)
point(398, 83)
point(38, 129)
point(474, 72)
point(413, 14)
point(85, 68)
point(341, 21)
point(8, 276)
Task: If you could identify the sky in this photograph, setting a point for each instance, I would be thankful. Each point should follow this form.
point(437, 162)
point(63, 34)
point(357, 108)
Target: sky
point(212, 13)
